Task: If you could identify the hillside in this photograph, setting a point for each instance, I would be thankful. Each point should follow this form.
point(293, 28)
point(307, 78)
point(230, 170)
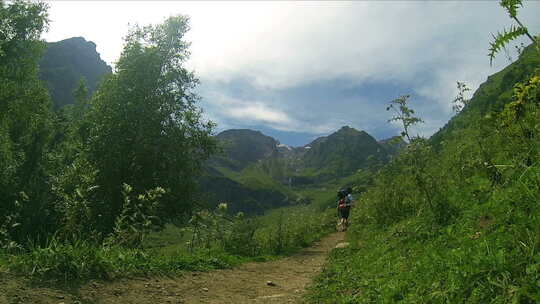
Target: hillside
point(456, 224)
point(343, 152)
point(491, 95)
point(244, 147)
point(65, 62)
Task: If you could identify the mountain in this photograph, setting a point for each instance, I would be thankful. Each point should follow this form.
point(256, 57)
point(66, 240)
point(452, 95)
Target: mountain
point(243, 147)
point(63, 65)
point(344, 151)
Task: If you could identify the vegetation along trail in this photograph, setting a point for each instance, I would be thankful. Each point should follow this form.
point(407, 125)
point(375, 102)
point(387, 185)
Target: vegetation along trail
point(248, 283)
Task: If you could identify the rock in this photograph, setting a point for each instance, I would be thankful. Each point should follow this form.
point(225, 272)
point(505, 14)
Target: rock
point(270, 283)
point(205, 289)
point(273, 296)
point(60, 297)
point(342, 245)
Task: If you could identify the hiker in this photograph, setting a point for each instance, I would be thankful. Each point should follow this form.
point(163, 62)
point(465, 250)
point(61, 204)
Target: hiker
point(345, 202)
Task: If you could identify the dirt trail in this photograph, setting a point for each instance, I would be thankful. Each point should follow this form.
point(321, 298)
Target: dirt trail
point(244, 284)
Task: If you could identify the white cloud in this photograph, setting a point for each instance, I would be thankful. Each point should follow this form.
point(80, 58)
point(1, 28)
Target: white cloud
point(224, 109)
point(259, 112)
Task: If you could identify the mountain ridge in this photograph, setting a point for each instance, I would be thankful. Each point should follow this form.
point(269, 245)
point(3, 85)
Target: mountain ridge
point(65, 62)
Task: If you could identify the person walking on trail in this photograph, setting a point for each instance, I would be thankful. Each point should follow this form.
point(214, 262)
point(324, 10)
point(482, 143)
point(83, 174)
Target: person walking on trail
point(345, 202)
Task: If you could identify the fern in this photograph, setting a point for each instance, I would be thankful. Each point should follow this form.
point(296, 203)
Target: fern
point(503, 38)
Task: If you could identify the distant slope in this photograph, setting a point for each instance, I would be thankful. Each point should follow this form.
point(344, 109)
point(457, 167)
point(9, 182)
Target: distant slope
point(241, 197)
point(344, 151)
point(243, 147)
point(65, 62)
point(393, 145)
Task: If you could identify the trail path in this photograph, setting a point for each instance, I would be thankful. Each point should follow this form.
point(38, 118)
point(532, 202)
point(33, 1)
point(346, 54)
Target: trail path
point(244, 284)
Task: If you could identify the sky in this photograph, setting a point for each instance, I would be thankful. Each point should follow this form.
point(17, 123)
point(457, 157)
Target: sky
point(297, 70)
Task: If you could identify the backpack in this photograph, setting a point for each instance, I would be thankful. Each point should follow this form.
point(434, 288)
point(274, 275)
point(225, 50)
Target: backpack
point(342, 203)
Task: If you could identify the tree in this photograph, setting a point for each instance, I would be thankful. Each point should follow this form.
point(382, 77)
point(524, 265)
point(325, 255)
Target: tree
point(146, 130)
point(25, 116)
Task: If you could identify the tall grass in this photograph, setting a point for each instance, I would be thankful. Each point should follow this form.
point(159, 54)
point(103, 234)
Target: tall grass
point(218, 241)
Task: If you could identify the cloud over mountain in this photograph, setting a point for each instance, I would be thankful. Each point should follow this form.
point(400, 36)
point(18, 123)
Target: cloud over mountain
point(310, 67)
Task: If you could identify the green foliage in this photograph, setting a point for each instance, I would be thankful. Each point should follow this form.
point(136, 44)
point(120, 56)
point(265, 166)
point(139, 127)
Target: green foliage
point(138, 217)
point(281, 231)
point(501, 39)
point(506, 36)
point(422, 193)
point(404, 115)
point(213, 240)
point(460, 101)
point(78, 261)
point(10, 222)
point(145, 129)
point(63, 173)
point(511, 6)
point(25, 119)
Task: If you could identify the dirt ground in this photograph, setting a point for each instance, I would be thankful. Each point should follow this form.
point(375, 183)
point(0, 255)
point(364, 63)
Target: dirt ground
point(247, 283)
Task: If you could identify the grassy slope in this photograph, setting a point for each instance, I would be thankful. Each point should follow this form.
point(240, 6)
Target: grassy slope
point(488, 255)
point(492, 95)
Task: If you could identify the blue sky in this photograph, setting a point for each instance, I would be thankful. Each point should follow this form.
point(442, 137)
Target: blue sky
point(298, 70)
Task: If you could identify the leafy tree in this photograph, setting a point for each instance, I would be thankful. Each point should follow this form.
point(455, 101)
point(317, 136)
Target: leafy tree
point(25, 117)
point(146, 130)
